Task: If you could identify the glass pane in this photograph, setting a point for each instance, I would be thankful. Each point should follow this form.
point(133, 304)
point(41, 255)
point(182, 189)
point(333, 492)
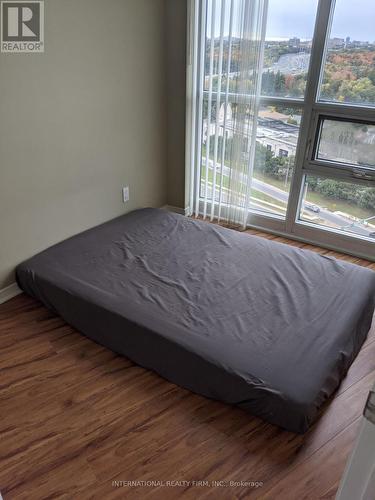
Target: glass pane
point(213, 37)
point(277, 136)
point(208, 150)
point(339, 205)
point(349, 66)
point(276, 143)
point(290, 28)
point(347, 142)
point(221, 150)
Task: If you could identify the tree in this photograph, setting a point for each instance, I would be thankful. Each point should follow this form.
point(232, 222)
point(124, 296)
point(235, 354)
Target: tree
point(274, 166)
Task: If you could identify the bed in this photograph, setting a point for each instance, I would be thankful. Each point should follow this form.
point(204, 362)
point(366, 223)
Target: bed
point(254, 323)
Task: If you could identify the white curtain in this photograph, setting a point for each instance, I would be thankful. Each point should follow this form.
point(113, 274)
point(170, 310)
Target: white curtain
point(235, 33)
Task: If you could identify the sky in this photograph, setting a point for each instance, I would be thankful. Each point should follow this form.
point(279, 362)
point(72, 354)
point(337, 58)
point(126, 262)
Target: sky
point(288, 18)
point(354, 18)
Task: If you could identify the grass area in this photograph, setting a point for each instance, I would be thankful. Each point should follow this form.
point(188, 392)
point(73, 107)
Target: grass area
point(256, 196)
point(255, 193)
point(269, 199)
point(267, 203)
point(211, 177)
point(272, 181)
point(338, 205)
point(259, 194)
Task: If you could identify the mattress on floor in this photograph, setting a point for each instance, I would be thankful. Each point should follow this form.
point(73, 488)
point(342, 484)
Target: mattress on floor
point(238, 318)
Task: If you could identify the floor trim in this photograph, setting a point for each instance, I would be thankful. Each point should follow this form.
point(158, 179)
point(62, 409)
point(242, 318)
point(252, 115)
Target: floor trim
point(8, 293)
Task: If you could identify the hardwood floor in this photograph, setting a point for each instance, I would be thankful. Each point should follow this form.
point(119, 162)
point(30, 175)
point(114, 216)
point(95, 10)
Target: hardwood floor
point(75, 417)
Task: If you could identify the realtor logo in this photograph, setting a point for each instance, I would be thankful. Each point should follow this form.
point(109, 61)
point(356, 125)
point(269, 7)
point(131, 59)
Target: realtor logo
point(22, 26)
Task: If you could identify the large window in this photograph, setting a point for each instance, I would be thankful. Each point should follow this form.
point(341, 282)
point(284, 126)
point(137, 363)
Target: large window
point(313, 160)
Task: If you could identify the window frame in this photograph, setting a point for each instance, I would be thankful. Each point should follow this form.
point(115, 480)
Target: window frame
point(315, 132)
point(305, 164)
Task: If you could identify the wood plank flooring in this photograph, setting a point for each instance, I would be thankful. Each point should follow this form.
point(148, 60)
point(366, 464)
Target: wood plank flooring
point(74, 418)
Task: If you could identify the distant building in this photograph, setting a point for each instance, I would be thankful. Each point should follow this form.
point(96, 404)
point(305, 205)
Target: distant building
point(294, 42)
point(358, 43)
point(273, 132)
point(347, 41)
point(336, 43)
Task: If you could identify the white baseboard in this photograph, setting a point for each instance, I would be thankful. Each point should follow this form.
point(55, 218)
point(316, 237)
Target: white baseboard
point(177, 210)
point(9, 292)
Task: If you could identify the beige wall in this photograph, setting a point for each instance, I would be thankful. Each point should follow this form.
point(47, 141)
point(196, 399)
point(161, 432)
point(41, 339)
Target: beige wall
point(79, 122)
point(176, 74)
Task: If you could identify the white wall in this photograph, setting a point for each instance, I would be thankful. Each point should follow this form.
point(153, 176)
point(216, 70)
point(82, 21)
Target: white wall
point(80, 121)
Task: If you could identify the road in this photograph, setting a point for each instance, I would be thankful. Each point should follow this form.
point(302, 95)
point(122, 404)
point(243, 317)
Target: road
point(324, 214)
point(280, 195)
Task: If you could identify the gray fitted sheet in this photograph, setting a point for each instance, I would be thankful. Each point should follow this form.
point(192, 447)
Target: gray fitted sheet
point(241, 319)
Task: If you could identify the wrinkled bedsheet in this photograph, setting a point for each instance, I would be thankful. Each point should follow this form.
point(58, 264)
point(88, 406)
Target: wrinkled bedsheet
point(237, 318)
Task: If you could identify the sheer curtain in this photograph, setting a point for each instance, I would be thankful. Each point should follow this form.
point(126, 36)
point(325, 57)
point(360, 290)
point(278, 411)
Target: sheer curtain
point(235, 34)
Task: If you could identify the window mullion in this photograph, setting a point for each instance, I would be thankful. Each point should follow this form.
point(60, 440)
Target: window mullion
point(282, 101)
point(345, 110)
point(264, 100)
point(325, 9)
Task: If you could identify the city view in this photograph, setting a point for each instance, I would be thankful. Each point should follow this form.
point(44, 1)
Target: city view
point(348, 77)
